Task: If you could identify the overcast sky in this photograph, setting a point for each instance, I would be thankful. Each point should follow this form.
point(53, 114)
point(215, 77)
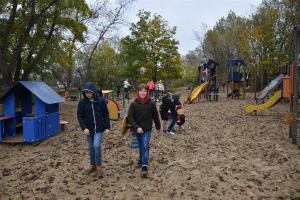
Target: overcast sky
point(188, 15)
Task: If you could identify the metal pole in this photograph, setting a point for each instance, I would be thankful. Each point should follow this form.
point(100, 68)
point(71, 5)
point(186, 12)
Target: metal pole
point(113, 92)
point(268, 77)
point(231, 82)
point(239, 66)
point(216, 66)
point(255, 72)
point(123, 95)
point(261, 78)
point(227, 74)
point(244, 81)
point(296, 86)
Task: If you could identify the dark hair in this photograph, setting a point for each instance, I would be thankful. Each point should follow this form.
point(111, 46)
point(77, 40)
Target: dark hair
point(99, 91)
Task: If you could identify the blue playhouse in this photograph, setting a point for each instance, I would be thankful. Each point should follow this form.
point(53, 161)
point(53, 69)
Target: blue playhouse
point(29, 123)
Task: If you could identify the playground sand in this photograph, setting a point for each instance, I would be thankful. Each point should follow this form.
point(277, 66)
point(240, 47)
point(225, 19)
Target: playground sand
point(223, 153)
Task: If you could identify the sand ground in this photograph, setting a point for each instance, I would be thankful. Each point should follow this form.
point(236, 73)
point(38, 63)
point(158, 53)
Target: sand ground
point(223, 153)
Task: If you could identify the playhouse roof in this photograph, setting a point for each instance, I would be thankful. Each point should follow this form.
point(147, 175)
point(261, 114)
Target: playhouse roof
point(39, 89)
point(236, 62)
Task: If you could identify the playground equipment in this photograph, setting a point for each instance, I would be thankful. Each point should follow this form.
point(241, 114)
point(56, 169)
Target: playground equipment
point(67, 93)
point(112, 105)
point(44, 122)
point(210, 83)
point(275, 99)
point(268, 89)
point(294, 89)
point(235, 77)
point(198, 91)
point(124, 128)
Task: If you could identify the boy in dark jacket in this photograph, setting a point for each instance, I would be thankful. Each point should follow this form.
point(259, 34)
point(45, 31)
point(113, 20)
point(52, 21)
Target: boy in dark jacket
point(141, 113)
point(93, 117)
point(167, 102)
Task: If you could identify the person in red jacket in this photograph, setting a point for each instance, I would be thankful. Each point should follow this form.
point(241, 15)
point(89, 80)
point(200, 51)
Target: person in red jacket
point(151, 87)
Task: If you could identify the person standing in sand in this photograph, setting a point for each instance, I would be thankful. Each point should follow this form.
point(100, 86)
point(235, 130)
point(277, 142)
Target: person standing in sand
point(141, 113)
point(93, 117)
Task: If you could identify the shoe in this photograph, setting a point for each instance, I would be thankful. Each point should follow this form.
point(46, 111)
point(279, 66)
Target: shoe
point(144, 170)
point(99, 170)
point(139, 164)
point(164, 132)
point(181, 127)
point(91, 169)
point(170, 132)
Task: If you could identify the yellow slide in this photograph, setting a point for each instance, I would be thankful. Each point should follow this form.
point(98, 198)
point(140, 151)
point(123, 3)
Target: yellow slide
point(266, 105)
point(197, 91)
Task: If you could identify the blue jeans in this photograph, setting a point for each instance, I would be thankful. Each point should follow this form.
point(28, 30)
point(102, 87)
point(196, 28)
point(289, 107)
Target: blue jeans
point(173, 122)
point(144, 141)
point(156, 94)
point(94, 142)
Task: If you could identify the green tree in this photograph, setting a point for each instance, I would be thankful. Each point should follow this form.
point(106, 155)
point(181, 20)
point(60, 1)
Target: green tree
point(104, 65)
point(31, 33)
point(150, 51)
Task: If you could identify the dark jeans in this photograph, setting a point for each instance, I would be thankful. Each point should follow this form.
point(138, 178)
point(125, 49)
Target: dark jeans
point(156, 94)
point(144, 141)
point(94, 142)
point(151, 93)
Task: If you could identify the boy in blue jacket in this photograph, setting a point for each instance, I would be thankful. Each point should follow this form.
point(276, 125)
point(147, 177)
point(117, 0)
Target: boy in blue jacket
point(93, 117)
point(176, 102)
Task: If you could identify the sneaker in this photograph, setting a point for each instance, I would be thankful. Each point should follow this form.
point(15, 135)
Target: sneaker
point(181, 127)
point(164, 132)
point(144, 170)
point(170, 132)
point(139, 164)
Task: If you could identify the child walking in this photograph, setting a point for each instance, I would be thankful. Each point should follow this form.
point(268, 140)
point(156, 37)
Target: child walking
point(93, 117)
point(188, 97)
point(167, 102)
point(141, 113)
point(175, 98)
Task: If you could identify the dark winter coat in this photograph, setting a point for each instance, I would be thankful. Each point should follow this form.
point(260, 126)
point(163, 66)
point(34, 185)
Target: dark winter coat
point(119, 87)
point(92, 115)
point(166, 105)
point(176, 102)
point(142, 115)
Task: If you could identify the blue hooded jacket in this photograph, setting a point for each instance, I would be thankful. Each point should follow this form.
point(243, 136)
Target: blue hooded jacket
point(93, 115)
point(175, 103)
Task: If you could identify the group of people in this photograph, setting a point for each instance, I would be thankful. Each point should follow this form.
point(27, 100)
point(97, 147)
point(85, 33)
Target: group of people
point(158, 89)
point(93, 117)
point(126, 87)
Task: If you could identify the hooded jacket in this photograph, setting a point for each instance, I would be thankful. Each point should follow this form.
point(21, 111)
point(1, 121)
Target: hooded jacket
point(173, 106)
point(92, 115)
point(166, 105)
point(142, 113)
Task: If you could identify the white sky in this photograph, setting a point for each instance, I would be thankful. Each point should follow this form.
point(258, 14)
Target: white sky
point(188, 15)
